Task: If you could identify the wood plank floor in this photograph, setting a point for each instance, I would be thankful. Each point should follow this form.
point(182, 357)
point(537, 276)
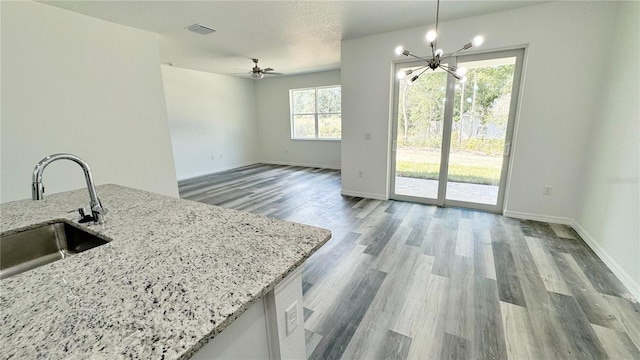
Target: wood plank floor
point(408, 281)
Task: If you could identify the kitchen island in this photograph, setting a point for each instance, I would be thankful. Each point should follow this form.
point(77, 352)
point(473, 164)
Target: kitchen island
point(175, 274)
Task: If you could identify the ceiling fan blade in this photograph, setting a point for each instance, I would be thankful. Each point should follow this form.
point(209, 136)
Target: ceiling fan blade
point(273, 73)
point(268, 69)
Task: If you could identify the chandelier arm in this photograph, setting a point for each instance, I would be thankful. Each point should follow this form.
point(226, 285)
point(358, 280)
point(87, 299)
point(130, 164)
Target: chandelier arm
point(418, 57)
point(450, 72)
point(453, 53)
point(422, 72)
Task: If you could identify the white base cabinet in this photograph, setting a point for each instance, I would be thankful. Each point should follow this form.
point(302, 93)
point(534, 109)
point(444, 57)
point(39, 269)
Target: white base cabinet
point(261, 331)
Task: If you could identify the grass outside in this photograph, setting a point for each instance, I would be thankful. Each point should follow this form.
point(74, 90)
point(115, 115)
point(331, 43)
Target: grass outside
point(466, 167)
point(457, 173)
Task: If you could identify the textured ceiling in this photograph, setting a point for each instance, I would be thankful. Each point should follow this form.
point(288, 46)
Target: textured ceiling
point(290, 36)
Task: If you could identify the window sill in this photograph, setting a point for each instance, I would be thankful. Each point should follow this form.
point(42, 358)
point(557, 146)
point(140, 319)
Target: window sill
point(320, 140)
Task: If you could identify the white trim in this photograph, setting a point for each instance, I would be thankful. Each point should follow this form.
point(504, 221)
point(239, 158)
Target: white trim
point(288, 163)
point(632, 286)
point(538, 217)
point(618, 271)
point(363, 195)
point(216, 170)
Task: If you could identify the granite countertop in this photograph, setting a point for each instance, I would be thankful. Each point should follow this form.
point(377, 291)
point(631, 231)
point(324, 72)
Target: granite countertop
point(175, 274)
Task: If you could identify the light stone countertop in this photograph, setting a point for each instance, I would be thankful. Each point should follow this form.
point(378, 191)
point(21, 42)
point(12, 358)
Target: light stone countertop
point(175, 274)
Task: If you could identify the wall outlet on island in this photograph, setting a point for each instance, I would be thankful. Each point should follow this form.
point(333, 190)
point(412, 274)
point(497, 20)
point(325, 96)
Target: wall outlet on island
point(291, 316)
point(360, 173)
point(213, 157)
point(546, 190)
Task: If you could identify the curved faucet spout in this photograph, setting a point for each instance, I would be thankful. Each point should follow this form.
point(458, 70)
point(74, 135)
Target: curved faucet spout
point(37, 188)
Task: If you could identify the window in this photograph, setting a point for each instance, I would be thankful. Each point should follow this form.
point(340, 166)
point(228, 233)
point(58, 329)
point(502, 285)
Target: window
point(316, 113)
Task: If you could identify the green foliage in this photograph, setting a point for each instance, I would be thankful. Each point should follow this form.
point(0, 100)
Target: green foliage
point(304, 126)
point(328, 102)
point(486, 146)
point(304, 101)
point(458, 173)
point(485, 95)
point(329, 126)
point(484, 86)
point(484, 103)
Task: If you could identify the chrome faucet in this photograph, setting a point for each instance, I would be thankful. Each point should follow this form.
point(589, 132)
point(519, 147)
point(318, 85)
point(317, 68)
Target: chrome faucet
point(98, 212)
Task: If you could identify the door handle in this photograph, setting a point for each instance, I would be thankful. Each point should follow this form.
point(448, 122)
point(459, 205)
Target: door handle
point(507, 149)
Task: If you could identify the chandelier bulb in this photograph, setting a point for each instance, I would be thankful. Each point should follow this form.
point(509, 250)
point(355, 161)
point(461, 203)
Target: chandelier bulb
point(461, 71)
point(399, 50)
point(463, 79)
point(401, 75)
point(439, 52)
point(431, 36)
point(478, 40)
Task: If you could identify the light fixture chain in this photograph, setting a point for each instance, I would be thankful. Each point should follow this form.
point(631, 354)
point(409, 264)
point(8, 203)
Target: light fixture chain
point(435, 42)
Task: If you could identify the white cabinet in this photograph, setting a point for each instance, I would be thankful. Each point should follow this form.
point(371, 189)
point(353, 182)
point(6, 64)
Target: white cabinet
point(261, 331)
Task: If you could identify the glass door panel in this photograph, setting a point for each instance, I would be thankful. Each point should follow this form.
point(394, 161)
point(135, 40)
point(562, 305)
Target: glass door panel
point(452, 140)
point(419, 133)
point(479, 131)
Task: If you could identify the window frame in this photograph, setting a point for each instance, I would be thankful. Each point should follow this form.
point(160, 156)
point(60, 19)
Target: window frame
point(315, 114)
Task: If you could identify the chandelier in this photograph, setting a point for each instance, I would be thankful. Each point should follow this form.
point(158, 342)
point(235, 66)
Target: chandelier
point(436, 59)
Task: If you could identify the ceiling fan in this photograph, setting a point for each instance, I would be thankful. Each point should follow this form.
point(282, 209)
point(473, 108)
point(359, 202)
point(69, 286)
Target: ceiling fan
point(257, 73)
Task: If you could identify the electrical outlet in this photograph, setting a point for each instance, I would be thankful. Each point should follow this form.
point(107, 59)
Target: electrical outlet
point(546, 190)
point(367, 136)
point(291, 316)
point(213, 157)
point(360, 173)
point(220, 156)
point(286, 152)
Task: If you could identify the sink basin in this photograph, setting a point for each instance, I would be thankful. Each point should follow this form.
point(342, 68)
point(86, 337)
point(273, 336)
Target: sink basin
point(35, 247)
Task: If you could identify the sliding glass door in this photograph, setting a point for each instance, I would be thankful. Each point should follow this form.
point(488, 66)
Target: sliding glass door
point(452, 140)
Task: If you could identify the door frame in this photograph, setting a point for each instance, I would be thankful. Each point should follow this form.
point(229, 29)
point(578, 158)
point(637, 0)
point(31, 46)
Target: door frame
point(441, 200)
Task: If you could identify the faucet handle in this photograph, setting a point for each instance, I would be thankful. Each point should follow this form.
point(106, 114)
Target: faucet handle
point(84, 217)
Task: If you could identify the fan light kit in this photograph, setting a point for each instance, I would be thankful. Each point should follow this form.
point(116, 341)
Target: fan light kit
point(256, 73)
point(436, 59)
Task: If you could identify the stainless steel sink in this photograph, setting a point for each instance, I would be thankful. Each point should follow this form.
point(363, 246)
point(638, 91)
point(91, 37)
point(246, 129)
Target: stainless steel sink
point(35, 247)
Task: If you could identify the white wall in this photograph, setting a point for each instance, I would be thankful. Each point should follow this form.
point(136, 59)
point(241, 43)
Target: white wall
point(212, 120)
point(71, 83)
point(558, 98)
point(609, 214)
point(274, 123)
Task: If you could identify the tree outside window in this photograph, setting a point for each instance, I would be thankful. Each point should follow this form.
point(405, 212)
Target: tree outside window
point(316, 113)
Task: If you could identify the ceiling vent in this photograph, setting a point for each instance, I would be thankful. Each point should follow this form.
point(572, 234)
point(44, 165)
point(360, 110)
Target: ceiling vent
point(200, 29)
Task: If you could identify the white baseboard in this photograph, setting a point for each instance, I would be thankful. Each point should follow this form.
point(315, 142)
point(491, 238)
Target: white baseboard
point(618, 271)
point(216, 170)
point(538, 217)
point(632, 286)
point(288, 163)
point(363, 195)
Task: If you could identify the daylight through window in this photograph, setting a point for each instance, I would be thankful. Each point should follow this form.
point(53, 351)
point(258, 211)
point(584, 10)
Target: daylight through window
point(316, 113)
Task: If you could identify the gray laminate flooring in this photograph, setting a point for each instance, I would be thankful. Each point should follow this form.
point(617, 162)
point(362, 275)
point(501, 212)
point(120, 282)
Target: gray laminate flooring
point(408, 281)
